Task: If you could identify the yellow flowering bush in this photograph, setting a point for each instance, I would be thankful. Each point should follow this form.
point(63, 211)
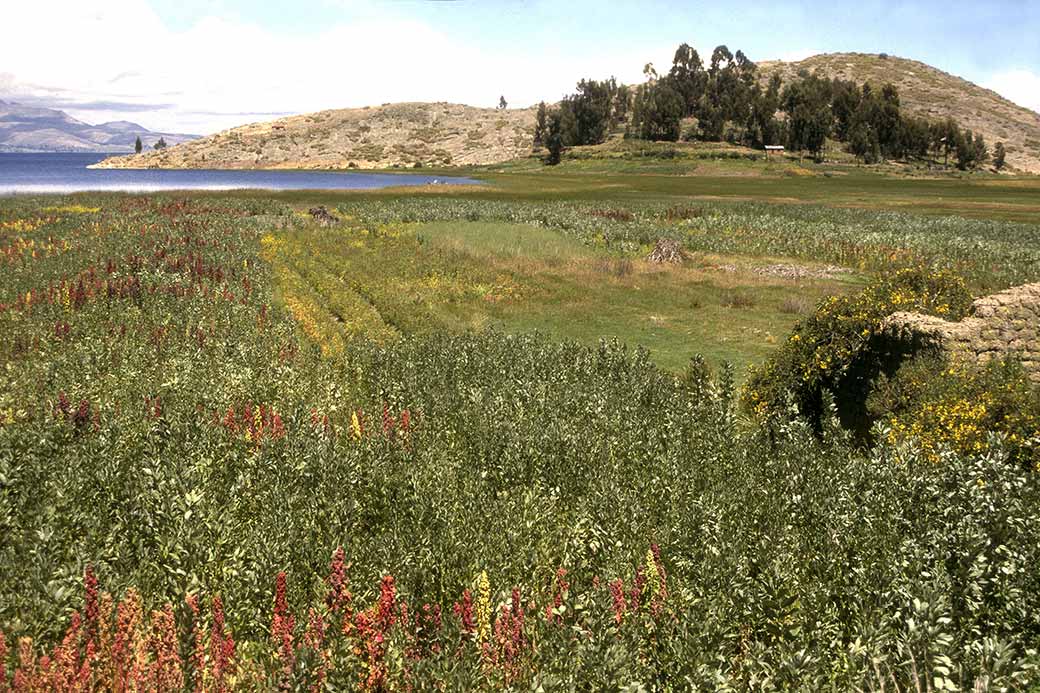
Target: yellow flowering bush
point(840, 349)
point(959, 408)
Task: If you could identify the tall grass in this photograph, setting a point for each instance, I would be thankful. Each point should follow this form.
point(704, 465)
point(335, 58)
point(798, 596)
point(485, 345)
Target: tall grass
point(164, 421)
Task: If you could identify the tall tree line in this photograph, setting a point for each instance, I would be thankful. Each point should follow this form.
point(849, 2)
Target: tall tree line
point(871, 123)
point(724, 100)
point(586, 116)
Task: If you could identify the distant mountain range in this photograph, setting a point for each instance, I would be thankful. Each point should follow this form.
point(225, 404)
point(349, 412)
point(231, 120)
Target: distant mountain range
point(35, 129)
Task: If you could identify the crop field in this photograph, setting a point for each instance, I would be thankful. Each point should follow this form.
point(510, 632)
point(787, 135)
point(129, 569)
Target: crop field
point(477, 440)
point(387, 279)
point(653, 174)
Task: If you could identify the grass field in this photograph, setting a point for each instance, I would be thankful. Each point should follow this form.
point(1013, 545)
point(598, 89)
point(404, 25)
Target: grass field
point(470, 276)
point(640, 173)
point(598, 287)
point(241, 450)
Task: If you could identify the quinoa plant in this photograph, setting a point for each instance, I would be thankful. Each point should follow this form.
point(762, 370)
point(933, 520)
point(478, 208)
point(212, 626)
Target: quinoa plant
point(194, 494)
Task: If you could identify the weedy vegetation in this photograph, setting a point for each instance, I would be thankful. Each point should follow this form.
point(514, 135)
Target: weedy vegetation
point(242, 451)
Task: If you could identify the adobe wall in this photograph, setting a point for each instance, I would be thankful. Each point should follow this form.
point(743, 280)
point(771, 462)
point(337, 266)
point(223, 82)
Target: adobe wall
point(1004, 324)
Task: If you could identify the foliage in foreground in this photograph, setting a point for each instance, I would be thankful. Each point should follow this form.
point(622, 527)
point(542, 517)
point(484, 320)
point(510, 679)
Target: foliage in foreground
point(341, 644)
point(862, 605)
point(165, 423)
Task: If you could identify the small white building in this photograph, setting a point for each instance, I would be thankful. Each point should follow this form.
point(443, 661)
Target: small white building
point(774, 149)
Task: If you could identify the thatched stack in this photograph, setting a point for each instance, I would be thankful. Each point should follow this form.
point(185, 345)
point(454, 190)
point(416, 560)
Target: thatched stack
point(667, 250)
point(322, 215)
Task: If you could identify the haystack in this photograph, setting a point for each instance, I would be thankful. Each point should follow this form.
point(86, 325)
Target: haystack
point(322, 215)
point(667, 250)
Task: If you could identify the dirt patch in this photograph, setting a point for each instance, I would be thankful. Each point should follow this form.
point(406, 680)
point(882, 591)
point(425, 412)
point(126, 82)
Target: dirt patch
point(784, 270)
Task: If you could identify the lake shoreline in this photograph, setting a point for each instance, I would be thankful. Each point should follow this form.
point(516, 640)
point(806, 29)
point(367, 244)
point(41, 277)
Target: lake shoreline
point(65, 173)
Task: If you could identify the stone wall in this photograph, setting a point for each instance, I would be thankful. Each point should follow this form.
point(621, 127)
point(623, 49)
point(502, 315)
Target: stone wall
point(1004, 324)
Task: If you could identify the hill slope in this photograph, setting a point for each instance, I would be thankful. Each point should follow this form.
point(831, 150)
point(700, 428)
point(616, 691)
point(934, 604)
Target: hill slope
point(932, 93)
point(35, 129)
point(403, 134)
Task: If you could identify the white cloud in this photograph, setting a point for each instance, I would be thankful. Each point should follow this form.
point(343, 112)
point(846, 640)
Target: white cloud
point(223, 72)
point(1020, 86)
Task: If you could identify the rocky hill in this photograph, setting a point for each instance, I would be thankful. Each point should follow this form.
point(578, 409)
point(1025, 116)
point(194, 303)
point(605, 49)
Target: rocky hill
point(401, 135)
point(34, 129)
point(932, 93)
point(443, 134)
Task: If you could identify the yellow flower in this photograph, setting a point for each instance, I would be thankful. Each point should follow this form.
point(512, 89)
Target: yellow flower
point(483, 606)
point(355, 425)
point(73, 209)
point(653, 577)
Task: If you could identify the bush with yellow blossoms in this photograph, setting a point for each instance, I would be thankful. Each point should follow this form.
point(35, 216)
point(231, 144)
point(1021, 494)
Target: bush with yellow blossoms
point(970, 410)
point(840, 348)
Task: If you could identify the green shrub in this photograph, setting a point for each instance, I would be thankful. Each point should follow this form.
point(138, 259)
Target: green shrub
point(840, 347)
point(967, 410)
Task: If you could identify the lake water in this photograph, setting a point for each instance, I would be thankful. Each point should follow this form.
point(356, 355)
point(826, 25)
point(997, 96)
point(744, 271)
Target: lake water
point(67, 173)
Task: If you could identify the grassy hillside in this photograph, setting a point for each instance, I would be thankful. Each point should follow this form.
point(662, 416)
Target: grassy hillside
point(404, 135)
point(932, 93)
point(392, 135)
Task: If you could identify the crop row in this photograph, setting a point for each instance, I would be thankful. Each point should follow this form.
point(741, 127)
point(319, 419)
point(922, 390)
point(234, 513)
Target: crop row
point(990, 254)
point(181, 436)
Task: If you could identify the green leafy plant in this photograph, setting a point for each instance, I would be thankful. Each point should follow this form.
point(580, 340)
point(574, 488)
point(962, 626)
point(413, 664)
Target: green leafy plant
point(168, 418)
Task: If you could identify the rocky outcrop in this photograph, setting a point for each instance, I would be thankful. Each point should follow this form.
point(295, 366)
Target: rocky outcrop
point(1001, 325)
point(401, 135)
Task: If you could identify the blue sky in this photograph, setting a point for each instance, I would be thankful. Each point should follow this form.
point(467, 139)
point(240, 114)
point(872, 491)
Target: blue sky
point(970, 38)
point(202, 65)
